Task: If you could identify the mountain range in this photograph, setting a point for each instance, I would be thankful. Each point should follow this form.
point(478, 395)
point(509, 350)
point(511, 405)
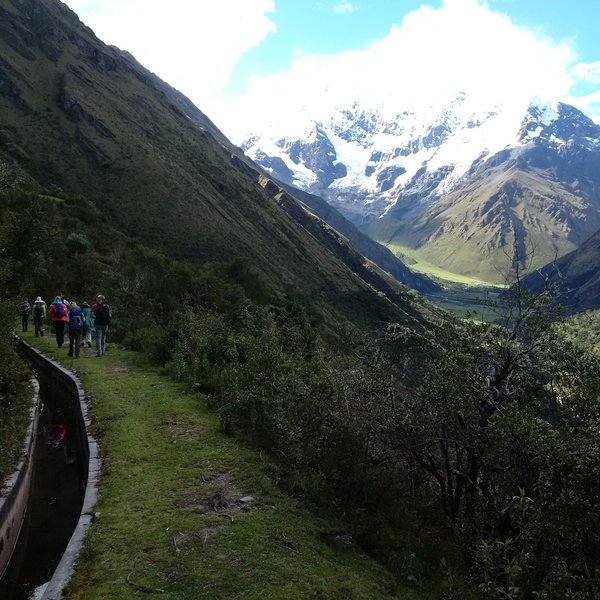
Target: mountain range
point(460, 187)
point(86, 119)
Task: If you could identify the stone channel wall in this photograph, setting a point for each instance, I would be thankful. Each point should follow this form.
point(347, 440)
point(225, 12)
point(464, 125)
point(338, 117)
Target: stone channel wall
point(73, 393)
point(14, 496)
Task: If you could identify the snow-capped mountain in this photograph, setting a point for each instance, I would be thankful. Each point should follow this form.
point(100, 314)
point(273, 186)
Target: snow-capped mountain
point(452, 186)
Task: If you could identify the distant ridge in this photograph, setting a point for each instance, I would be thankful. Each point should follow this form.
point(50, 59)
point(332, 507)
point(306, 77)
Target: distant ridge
point(457, 187)
point(574, 278)
point(374, 251)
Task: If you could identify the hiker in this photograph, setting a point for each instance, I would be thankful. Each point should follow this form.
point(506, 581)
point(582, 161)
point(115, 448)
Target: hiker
point(25, 312)
point(58, 315)
point(39, 316)
point(66, 302)
point(88, 327)
point(102, 315)
point(76, 321)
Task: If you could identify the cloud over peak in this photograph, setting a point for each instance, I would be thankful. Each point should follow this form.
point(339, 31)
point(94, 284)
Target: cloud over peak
point(426, 60)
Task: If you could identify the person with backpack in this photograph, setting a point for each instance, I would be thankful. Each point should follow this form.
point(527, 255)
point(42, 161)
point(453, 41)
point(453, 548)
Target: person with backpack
point(102, 315)
point(39, 316)
point(25, 312)
point(58, 316)
point(88, 327)
point(76, 321)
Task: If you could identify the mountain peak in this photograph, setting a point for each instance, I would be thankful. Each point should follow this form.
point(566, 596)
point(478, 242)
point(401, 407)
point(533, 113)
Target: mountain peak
point(397, 174)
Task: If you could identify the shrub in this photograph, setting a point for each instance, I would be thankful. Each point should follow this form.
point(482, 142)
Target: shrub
point(77, 244)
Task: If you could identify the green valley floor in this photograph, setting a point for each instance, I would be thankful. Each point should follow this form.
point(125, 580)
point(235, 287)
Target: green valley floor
point(186, 512)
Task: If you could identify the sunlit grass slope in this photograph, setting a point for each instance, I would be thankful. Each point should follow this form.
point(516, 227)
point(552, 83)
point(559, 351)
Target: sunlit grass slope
point(185, 512)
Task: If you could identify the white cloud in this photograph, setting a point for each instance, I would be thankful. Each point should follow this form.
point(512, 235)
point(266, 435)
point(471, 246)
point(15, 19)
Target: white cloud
point(194, 46)
point(588, 104)
point(425, 60)
point(343, 7)
point(587, 72)
point(431, 56)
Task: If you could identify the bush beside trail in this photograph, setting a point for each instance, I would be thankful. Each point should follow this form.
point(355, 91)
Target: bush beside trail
point(471, 446)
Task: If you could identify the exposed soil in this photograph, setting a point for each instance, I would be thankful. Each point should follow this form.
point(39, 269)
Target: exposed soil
point(218, 495)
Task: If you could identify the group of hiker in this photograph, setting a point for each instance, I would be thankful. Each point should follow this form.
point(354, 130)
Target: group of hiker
point(81, 322)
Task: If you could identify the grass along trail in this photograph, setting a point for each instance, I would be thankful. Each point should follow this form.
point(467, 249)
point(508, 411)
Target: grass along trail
point(186, 512)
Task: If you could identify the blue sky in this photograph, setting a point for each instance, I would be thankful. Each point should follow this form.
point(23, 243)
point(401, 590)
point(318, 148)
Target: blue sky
point(246, 61)
point(325, 27)
point(574, 21)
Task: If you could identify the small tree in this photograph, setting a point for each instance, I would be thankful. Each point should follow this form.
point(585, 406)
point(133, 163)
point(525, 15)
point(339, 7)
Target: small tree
point(499, 407)
point(77, 244)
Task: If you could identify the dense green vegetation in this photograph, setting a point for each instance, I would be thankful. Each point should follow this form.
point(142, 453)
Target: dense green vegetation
point(583, 329)
point(461, 454)
point(15, 393)
point(186, 512)
point(155, 301)
point(485, 436)
point(470, 448)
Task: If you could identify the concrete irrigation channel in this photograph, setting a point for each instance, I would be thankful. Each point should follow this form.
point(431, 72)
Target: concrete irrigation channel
point(47, 505)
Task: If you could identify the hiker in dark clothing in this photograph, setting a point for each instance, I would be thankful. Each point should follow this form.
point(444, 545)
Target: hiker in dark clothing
point(25, 312)
point(102, 315)
point(39, 316)
point(76, 321)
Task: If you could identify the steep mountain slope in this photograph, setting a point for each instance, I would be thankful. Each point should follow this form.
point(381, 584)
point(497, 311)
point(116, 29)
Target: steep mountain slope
point(474, 230)
point(373, 250)
point(87, 118)
point(457, 187)
point(326, 225)
point(576, 277)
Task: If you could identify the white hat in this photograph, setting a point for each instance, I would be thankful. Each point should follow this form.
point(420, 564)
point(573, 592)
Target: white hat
point(39, 299)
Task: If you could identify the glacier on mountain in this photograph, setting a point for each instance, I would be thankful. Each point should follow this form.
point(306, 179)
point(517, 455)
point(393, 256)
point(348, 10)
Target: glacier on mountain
point(373, 157)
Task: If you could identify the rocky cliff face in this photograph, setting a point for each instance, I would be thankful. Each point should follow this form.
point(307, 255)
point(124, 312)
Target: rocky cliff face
point(460, 187)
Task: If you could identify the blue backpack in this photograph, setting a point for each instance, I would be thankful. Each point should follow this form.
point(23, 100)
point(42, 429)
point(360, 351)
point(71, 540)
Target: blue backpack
point(60, 310)
point(76, 318)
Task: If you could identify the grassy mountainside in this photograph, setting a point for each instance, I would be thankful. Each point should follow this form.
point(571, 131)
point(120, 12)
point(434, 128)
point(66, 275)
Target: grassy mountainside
point(471, 231)
point(85, 118)
point(376, 252)
point(575, 276)
point(583, 329)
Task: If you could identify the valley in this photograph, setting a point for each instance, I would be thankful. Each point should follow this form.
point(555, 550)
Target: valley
point(321, 380)
point(461, 190)
point(418, 264)
point(457, 293)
